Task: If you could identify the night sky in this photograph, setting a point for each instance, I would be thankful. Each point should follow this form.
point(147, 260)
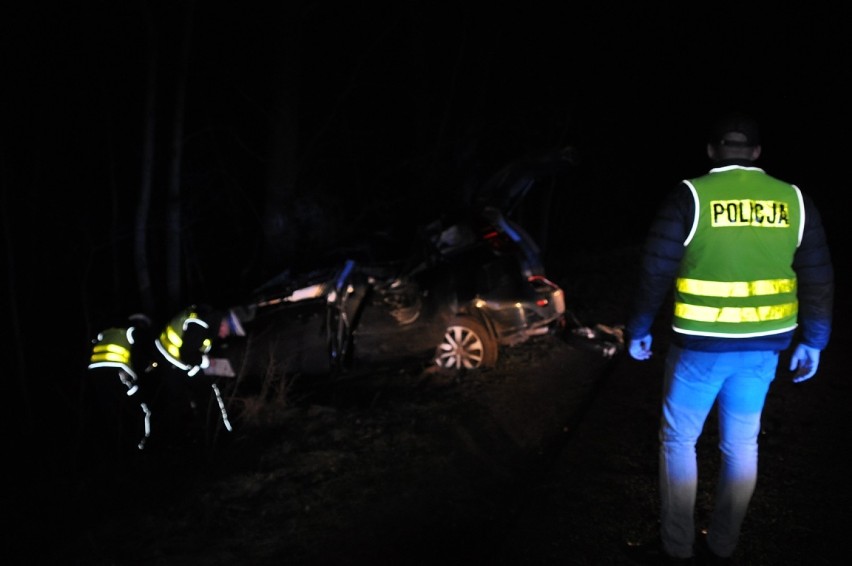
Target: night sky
point(394, 105)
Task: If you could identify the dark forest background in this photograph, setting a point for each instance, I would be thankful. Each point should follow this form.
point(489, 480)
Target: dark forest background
point(154, 154)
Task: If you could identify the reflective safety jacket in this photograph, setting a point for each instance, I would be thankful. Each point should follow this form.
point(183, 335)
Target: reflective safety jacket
point(185, 342)
point(736, 278)
point(112, 349)
point(677, 226)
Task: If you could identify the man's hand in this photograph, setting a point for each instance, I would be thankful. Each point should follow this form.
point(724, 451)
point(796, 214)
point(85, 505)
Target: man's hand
point(804, 363)
point(640, 348)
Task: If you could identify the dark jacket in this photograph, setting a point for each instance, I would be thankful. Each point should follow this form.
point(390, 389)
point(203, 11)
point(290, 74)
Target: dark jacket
point(661, 256)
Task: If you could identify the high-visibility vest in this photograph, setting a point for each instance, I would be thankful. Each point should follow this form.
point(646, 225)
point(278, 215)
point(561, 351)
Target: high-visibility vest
point(112, 349)
point(736, 278)
point(171, 341)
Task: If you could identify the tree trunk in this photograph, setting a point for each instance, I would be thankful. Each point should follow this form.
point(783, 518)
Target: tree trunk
point(143, 208)
point(174, 226)
point(278, 232)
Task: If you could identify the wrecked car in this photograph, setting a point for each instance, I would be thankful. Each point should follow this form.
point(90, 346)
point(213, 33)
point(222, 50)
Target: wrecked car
point(471, 282)
point(476, 285)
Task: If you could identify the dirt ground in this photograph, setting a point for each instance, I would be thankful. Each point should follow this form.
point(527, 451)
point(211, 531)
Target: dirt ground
point(550, 458)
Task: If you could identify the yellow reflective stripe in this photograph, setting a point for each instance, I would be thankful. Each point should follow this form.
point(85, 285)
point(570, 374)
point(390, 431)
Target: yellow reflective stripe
point(172, 342)
point(114, 348)
point(734, 314)
point(173, 337)
point(735, 288)
point(111, 353)
point(110, 357)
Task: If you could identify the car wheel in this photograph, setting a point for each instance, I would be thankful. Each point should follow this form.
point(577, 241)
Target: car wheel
point(467, 344)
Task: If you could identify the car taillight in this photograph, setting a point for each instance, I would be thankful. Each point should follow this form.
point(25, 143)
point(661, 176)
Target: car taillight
point(541, 282)
point(495, 239)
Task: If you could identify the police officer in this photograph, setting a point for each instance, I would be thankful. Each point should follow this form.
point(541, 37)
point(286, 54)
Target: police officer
point(746, 257)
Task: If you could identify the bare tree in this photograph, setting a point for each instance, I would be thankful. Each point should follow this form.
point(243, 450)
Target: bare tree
point(282, 170)
point(174, 224)
point(174, 227)
point(140, 242)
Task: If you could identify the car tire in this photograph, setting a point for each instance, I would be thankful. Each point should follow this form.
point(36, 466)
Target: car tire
point(467, 344)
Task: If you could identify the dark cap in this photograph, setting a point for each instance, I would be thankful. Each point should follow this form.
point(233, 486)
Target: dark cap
point(725, 130)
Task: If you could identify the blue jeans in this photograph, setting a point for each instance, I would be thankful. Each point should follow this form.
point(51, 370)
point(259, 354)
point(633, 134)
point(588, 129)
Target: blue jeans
point(738, 383)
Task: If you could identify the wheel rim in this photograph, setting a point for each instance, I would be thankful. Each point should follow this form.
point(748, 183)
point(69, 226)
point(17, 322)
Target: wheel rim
point(462, 348)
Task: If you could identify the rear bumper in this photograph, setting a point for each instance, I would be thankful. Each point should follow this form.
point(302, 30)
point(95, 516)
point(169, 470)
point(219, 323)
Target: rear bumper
point(516, 322)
